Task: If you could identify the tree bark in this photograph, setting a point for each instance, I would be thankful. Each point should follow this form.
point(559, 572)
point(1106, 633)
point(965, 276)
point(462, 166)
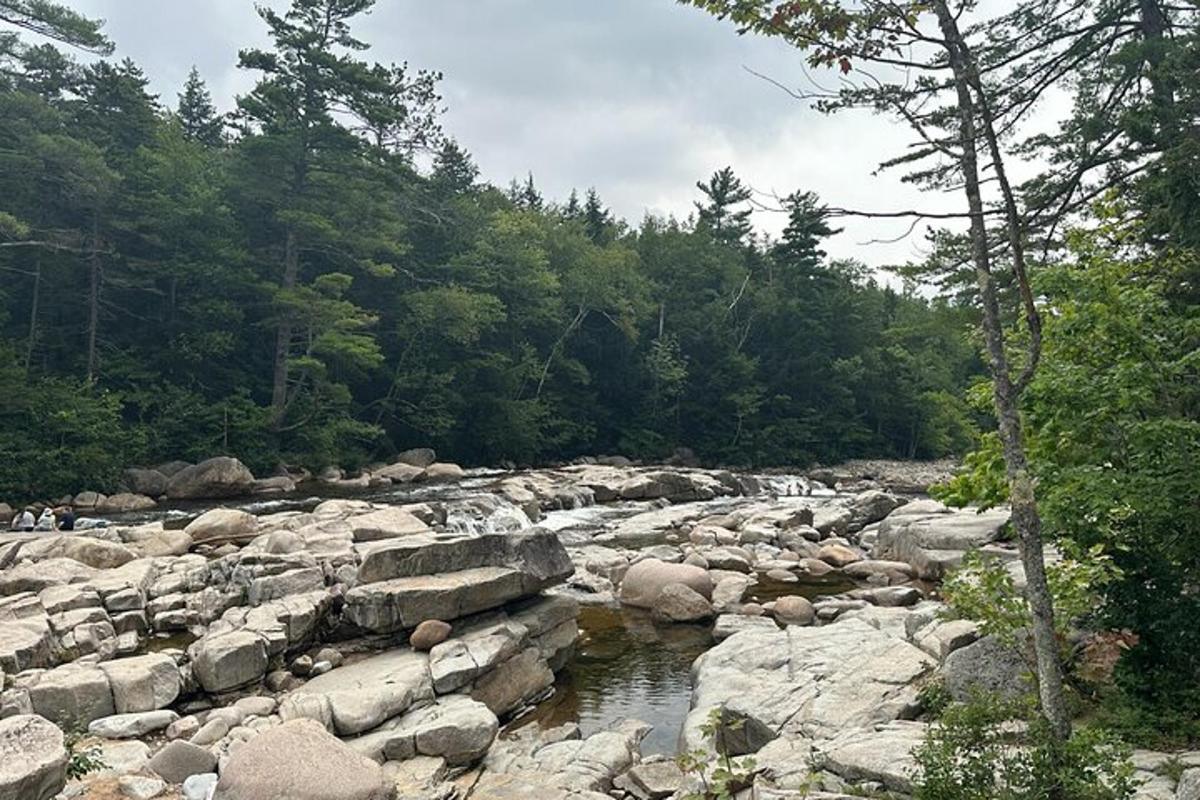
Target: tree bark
point(1006, 395)
point(96, 276)
point(33, 314)
point(283, 332)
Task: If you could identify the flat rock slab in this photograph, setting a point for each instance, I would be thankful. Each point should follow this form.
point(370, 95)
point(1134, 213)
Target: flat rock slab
point(403, 603)
point(363, 695)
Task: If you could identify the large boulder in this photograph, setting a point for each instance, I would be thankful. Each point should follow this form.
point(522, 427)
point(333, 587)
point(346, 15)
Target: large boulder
point(124, 503)
point(223, 526)
point(443, 472)
point(987, 665)
point(934, 541)
point(228, 660)
point(33, 759)
point(212, 479)
point(646, 579)
point(300, 760)
point(417, 457)
point(89, 550)
point(793, 609)
point(142, 683)
point(73, 694)
point(149, 482)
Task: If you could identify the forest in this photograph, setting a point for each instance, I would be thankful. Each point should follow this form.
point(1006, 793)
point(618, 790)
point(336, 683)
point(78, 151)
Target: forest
point(319, 277)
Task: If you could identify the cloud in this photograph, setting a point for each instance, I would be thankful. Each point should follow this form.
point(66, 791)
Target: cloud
point(638, 98)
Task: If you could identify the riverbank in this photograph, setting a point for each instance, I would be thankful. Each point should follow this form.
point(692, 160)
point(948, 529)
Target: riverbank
point(561, 631)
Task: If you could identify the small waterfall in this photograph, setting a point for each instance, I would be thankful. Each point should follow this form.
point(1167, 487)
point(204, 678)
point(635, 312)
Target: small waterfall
point(485, 514)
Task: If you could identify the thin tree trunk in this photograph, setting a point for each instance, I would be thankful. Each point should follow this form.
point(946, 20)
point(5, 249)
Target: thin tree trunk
point(1025, 518)
point(33, 314)
point(93, 299)
point(283, 333)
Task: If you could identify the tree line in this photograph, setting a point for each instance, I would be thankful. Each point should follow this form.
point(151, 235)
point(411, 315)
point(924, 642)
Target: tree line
point(319, 276)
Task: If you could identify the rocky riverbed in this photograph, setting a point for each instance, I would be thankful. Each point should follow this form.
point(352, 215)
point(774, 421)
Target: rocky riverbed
point(441, 633)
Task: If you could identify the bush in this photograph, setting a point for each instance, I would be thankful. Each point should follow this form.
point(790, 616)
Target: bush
point(989, 749)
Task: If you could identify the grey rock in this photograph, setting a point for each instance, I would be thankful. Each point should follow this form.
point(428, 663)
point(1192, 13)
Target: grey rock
point(200, 787)
point(935, 542)
point(678, 603)
point(33, 759)
point(149, 482)
point(300, 760)
point(142, 683)
point(132, 725)
point(363, 695)
point(514, 682)
point(794, 610)
point(987, 665)
point(140, 787)
point(71, 694)
point(417, 457)
point(179, 760)
point(645, 580)
point(228, 660)
point(215, 478)
point(651, 781)
point(223, 525)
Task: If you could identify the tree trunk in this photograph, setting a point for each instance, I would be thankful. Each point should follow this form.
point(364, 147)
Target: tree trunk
point(283, 333)
point(96, 276)
point(1006, 395)
point(33, 313)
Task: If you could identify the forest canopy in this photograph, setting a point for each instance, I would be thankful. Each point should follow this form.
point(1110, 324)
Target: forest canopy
point(319, 276)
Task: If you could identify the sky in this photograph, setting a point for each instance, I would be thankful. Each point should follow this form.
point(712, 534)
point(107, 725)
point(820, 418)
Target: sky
point(637, 98)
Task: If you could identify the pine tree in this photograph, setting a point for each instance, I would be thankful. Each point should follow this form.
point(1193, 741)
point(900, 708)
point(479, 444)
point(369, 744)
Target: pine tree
point(597, 220)
point(197, 114)
point(721, 215)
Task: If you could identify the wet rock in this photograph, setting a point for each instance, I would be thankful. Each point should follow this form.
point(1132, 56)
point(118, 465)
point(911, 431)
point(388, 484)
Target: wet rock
point(678, 603)
point(33, 759)
point(131, 726)
point(223, 525)
point(300, 760)
point(212, 479)
point(514, 682)
point(429, 634)
point(794, 610)
point(645, 580)
point(179, 760)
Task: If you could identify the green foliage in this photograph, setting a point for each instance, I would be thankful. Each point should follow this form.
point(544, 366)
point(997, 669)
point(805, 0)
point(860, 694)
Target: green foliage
point(983, 590)
point(284, 283)
point(81, 761)
point(988, 749)
point(722, 778)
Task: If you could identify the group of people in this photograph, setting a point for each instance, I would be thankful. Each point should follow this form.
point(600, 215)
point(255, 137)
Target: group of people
point(25, 521)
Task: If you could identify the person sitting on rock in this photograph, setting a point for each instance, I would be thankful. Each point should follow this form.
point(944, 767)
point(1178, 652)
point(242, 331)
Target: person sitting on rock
point(67, 521)
point(45, 521)
point(23, 521)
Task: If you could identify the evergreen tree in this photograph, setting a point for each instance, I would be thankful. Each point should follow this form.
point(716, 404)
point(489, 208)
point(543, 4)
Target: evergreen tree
point(597, 220)
point(197, 114)
point(721, 214)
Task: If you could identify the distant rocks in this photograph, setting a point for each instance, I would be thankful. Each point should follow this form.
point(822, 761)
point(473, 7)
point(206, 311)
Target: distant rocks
point(215, 478)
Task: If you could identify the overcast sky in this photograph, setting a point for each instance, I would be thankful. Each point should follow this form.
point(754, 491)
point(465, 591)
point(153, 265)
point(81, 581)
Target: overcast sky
point(639, 98)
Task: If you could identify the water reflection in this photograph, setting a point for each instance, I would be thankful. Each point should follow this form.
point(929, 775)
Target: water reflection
point(626, 667)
